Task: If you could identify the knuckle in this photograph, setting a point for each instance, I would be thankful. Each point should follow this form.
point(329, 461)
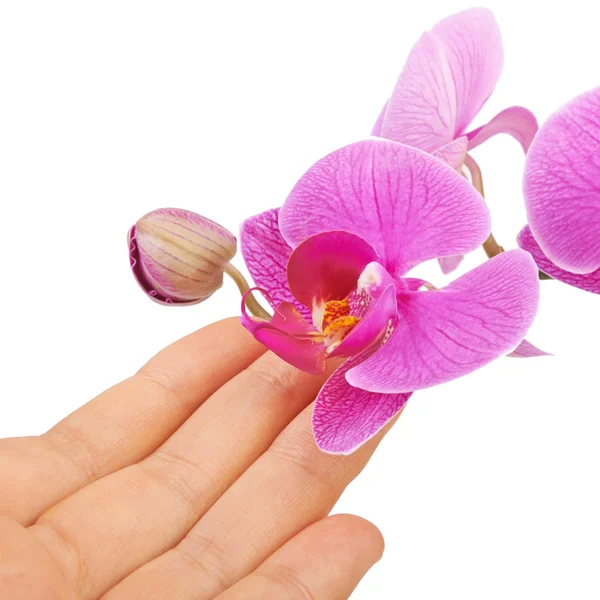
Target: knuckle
point(204, 556)
point(176, 473)
point(284, 582)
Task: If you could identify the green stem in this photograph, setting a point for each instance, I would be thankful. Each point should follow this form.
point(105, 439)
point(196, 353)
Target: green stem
point(253, 306)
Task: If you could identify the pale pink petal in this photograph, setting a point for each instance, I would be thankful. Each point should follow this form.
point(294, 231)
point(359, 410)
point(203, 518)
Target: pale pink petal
point(409, 205)
point(266, 255)
point(422, 109)
point(562, 185)
point(448, 76)
point(527, 350)
point(288, 335)
point(515, 121)
point(474, 52)
point(441, 335)
point(450, 263)
point(345, 417)
point(326, 266)
point(590, 282)
point(454, 152)
point(376, 131)
point(379, 316)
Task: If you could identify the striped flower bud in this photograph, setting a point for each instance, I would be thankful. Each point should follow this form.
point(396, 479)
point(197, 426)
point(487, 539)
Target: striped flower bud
point(178, 257)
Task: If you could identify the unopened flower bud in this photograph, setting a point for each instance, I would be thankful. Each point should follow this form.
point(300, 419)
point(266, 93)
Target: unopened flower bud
point(178, 257)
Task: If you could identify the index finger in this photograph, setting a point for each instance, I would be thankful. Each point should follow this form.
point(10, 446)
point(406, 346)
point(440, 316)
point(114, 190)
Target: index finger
point(123, 424)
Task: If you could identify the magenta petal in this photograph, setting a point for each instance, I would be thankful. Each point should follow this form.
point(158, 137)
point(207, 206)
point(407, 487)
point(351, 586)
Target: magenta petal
point(527, 350)
point(442, 335)
point(380, 314)
point(562, 185)
point(515, 121)
point(409, 205)
point(454, 152)
point(590, 282)
point(266, 255)
point(448, 76)
point(345, 417)
point(289, 336)
point(326, 266)
point(450, 263)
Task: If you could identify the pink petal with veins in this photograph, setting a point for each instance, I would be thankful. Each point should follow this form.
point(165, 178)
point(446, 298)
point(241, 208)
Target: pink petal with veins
point(475, 56)
point(515, 121)
point(409, 205)
point(266, 255)
point(441, 335)
point(288, 335)
point(562, 185)
point(454, 152)
point(422, 109)
point(527, 350)
point(345, 417)
point(448, 76)
point(589, 282)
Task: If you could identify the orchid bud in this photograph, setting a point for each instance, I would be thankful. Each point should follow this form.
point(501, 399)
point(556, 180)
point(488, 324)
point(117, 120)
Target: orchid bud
point(179, 257)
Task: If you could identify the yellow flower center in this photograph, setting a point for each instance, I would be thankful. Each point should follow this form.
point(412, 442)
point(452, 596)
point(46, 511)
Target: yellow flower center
point(337, 322)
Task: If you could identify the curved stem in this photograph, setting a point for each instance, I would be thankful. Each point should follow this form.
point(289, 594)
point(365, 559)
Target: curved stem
point(491, 246)
point(253, 306)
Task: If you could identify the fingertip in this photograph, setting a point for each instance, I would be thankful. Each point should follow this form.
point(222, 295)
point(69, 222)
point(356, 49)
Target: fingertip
point(350, 527)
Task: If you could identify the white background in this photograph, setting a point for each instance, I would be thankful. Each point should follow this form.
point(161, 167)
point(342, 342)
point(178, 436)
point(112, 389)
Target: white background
point(488, 486)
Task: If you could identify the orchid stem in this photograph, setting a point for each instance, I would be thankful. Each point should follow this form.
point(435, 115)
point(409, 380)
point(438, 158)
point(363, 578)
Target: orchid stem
point(251, 302)
point(491, 246)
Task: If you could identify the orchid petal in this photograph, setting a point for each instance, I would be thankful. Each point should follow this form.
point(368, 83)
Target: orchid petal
point(266, 254)
point(409, 205)
point(288, 335)
point(527, 350)
point(562, 185)
point(454, 152)
point(515, 121)
point(473, 49)
point(422, 109)
point(380, 314)
point(345, 417)
point(450, 263)
point(326, 266)
point(589, 282)
point(441, 335)
point(448, 76)
point(376, 131)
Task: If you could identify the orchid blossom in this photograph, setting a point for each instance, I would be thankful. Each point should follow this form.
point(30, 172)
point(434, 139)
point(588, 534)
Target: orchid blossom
point(334, 262)
point(450, 73)
point(562, 194)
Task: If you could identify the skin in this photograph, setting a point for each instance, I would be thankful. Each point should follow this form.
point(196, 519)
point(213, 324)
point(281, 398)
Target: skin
point(196, 478)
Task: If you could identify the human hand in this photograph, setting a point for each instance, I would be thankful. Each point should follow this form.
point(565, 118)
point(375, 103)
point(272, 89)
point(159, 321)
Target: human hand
point(196, 478)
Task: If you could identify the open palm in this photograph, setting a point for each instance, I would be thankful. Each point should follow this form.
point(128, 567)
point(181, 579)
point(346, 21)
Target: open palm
point(196, 478)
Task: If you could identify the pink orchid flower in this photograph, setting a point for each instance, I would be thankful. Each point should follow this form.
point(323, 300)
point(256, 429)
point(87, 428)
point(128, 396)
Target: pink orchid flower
point(450, 73)
point(334, 263)
point(562, 194)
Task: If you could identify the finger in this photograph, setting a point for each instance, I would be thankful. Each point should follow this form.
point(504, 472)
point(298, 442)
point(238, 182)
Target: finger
point(27, 572)
point(125, 423)
point(289, 487)
point(326, 560)
point(124, 520)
